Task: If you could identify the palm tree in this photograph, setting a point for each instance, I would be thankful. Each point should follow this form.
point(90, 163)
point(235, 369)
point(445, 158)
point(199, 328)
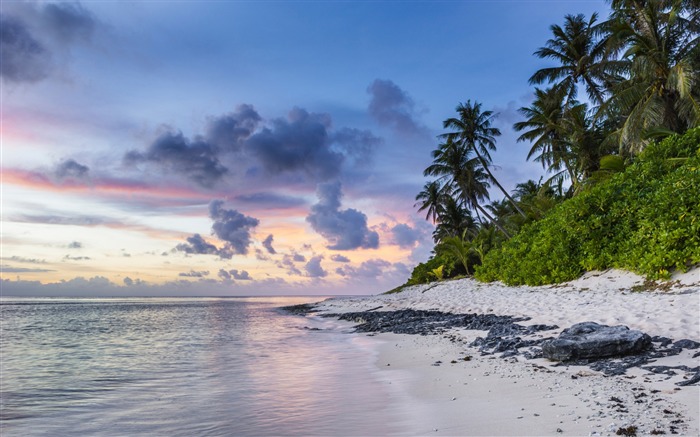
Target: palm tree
point(659, 38)
point(545, 128)
point(582, 58)
point(473, 131)
point(454, 221)
point(462, 175)
point(431, 199)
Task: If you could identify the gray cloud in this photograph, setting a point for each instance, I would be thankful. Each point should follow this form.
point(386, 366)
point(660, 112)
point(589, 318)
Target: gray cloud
point(299, 143)
point(267, 244)
point(406, 236)
point(68, 21)
point(197, 160)
point(232, 227)
point(357, 145)
point(75, 258)
point(71, 170)
point(271, 200)
point(340, 258)
point(75, 245)
point(314, 269)
point(22, 57)
point(197, 245)
point(344, 229)
point(26, 260)
point(391, 106)
point(195, 274)
point(229, 131)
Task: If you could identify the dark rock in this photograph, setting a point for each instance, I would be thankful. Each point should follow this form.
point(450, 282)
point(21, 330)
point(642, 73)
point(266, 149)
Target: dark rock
point(591, 340)
point(686, 344)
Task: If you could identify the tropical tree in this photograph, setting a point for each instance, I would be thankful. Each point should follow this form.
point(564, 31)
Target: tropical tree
point(473, 131)
point(431, 199)
point(659, 39)
point(454, 220)
point(580, 50)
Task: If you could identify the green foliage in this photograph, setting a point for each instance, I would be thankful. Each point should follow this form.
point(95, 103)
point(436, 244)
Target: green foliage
point(645, 219)
point(438, 272)
point(424, 272)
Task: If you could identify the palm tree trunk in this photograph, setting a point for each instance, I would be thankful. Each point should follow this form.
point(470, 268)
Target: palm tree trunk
point(491, 219)
point(486, 167)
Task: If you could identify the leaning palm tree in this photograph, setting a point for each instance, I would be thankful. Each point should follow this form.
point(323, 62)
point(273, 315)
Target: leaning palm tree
point(580, 50)
point(473, 131)
point(660, 39)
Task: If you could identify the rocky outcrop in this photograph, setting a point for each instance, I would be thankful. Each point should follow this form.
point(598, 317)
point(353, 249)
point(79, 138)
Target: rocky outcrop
point(589, 340)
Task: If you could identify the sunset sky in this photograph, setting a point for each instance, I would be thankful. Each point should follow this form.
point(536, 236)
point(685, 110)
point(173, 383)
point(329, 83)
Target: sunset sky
point(243, 147)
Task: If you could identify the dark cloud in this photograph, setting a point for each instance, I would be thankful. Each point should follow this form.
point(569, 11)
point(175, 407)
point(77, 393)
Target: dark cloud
point(357, 145)
point(340, 258)
point(300, 143)
point(197, 160)
point(406, 236)
point(369, 269)
point(344, 229)
point(267, 244)
point(240, 275)
point(75, 245)
point(195, 274)
point(314, 269)
point(297, 257)
point(22, 57)
point(271, 200)
point(84, 220)
point(391, 106)
point(232, 227)
point(68, 21)
point(71, 170)
point(128, 281)
point(229, 131)
point(196, 245)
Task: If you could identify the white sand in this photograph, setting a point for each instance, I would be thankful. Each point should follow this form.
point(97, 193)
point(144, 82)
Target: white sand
point(489, 395)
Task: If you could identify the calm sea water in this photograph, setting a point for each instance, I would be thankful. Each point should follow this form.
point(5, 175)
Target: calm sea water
point(180, 366)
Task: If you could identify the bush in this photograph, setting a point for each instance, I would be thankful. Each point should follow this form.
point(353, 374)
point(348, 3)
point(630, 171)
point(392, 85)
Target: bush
point(646, 219)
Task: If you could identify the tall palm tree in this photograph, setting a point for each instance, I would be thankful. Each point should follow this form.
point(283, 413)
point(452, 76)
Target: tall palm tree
point(660, 39)
point(545, 128)
point(580, 50)
point(454, 221)
point(473, 131)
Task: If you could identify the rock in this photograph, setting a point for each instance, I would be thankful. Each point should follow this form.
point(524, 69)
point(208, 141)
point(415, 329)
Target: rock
point(590, 340)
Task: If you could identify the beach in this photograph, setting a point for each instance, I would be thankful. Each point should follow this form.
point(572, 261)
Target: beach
point(448, 386)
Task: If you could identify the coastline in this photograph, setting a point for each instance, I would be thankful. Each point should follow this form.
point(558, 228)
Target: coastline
point(442, 394)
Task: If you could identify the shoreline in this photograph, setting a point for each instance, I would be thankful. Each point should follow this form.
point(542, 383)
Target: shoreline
point(443, 394)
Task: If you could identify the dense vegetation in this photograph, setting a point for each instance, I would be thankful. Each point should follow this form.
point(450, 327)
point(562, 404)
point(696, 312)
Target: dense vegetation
point(617, 193)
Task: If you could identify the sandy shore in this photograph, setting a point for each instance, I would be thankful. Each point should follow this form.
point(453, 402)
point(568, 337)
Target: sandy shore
point(441, 393)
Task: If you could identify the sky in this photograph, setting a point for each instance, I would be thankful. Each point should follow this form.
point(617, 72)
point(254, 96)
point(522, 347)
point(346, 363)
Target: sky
point(233, 148)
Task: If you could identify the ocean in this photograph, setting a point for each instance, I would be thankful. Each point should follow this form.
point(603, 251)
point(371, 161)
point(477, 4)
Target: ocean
point(185, 366)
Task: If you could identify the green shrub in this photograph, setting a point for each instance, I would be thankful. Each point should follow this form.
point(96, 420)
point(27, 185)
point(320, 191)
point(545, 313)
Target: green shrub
point(645, 219)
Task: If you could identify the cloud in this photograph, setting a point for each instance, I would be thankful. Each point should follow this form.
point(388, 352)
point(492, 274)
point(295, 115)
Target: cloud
point(289, 263)
point(271, 200)
point(75, 245)
point(358, 145)
point(313, 267)
point(229, 131)
point(22, 57)
point(195, 274)
point(71, 170)
point(368, 269)
point(267, 244)
point(391, 106)
point(26, 260)
point(10, 269)
point(197, 160)
point(68, 22)
point(232, 227)
point(230, 275)
point(343, 229)
point(340, 258)
point(406, 236)
point(299, 143)
point(75, 258)
point(197, 245)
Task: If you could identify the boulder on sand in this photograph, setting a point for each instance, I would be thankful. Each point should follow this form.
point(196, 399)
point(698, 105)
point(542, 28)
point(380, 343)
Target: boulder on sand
point(589, 340)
